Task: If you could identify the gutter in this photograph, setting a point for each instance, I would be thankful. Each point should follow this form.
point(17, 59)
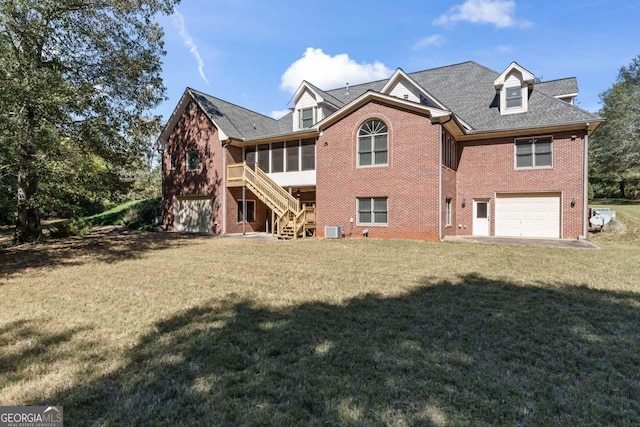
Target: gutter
point(585, 178)
point(224, 185)
point(440, 231)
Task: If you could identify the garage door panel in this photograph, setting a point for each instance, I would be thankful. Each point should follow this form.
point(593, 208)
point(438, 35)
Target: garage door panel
point(192, 215)
point(528, 215)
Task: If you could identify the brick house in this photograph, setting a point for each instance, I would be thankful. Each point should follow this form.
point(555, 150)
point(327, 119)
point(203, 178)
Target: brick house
point(456, 150)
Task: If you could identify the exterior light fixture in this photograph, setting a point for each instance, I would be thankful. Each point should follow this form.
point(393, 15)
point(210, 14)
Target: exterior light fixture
point(573, 202)
point(464, 202)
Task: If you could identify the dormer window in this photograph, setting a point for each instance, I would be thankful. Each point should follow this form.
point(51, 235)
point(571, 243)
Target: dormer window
point(513, 87)
point(514, 97)
point(306, 118)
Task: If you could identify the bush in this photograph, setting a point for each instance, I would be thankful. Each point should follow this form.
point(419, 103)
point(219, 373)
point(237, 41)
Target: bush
point(73, 227)
point(143, 215)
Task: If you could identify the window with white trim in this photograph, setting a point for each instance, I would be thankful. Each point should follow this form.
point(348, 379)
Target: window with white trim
point(372, 211)
point(193, 160)
point(373, 144)
point(447, 212)
point(513, 97)
point(307, 116)
point(534, 152)
point(251, 211)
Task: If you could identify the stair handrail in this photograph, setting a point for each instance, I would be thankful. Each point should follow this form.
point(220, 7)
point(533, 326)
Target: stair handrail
point(263, 186)
point(292, 203)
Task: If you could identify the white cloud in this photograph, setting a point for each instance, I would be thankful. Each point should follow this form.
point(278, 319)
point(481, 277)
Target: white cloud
point(327, 72)
point(278, 114)
point(497, 12)
point(178, 23)
point(434, 40)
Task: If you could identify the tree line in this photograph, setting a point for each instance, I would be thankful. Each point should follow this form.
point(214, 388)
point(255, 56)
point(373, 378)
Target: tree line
point(614, 156)
point(78, 80)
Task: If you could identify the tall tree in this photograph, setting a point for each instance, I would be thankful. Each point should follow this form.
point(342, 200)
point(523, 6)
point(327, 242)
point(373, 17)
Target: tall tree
point(75, 73)
point(615, 147)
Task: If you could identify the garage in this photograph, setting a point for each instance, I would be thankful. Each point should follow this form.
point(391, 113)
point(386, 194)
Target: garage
point(528, 215)
point(192, 214)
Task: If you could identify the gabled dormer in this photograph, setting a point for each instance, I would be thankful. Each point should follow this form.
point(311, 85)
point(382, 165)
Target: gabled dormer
point(310, 105)
point(402, 86)
point(513, 87)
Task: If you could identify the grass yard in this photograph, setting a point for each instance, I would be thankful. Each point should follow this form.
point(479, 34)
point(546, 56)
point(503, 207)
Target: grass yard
point(127, 328)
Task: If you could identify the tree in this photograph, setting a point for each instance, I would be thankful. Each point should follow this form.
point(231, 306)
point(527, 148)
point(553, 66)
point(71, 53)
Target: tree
point(75, 74)
point(615, 147)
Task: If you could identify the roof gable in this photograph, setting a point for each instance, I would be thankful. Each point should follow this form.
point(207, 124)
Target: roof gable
point(401, 82)
point(527, 76)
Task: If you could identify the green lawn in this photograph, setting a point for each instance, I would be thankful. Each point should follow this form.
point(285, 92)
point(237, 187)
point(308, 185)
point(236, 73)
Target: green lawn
point(127, 328)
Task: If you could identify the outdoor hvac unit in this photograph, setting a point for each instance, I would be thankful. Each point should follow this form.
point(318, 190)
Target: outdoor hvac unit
point(332, 231)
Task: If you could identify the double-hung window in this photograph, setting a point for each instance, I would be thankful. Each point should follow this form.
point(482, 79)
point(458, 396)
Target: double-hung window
point(193, 160)
point(306, 118)
point(534, 152)
point(373, 144)
point(372, 211)
point(514, 97)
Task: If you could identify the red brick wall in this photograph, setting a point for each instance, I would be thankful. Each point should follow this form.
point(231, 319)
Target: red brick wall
point(449, 192)
point(488, 167)
point(410, 181)
point(235, 226)
point(193, 132)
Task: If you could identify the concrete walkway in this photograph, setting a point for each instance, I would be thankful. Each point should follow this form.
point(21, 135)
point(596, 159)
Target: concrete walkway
point(251, 235)
point(520, 241)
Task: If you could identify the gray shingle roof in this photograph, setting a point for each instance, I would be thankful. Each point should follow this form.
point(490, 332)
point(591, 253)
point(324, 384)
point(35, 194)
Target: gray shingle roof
point(466, 89)
point(559, 87)
point(238, 122)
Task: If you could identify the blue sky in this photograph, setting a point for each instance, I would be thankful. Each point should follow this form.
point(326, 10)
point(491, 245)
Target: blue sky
point(254, 53)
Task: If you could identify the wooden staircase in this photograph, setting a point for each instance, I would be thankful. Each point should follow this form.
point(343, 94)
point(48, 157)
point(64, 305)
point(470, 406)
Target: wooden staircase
point(293, 221)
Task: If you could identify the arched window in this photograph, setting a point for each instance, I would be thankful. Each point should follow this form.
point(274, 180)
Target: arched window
point(373, 145)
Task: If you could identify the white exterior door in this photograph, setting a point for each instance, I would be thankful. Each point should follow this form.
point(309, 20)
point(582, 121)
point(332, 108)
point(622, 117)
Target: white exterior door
point(480, 218)
point(192, 214)
point(528, 215)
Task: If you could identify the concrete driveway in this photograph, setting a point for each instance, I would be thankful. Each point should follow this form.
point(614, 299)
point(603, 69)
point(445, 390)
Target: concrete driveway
point(520, 241)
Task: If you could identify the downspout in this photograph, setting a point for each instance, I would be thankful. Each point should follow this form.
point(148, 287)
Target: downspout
point(585, 179)
point(440, 233)
point(224, 186)
point(440, 236)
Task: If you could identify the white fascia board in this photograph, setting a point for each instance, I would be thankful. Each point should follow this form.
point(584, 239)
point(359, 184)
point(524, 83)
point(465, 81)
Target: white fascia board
point(173, 119)
point(177, 113)
point(222, 135)
point(395, 78)
point(568, 95)
point(527, 76)
point(434, 113)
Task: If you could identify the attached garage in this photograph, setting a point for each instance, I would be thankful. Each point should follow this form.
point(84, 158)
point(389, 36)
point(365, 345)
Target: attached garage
point(528, 215)
point(192, 214)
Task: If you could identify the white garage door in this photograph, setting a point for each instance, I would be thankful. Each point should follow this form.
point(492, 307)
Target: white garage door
point(528, 215)
point(192, 214)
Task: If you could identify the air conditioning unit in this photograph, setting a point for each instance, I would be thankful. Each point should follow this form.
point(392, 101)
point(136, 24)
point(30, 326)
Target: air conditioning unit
point(332, 231)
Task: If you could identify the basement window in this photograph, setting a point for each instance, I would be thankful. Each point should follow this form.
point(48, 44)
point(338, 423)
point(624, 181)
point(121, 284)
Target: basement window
point(372, 211)
point(251, 211)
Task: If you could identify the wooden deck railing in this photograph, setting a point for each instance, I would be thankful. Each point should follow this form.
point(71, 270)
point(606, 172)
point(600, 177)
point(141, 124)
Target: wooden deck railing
point(290, 216)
